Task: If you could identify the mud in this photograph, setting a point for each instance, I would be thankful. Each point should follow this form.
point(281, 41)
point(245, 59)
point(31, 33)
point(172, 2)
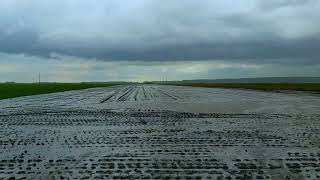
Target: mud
point(160, 132)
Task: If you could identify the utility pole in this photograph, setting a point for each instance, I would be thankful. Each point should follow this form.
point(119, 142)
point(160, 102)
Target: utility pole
point(166, 79)
point(39, 77)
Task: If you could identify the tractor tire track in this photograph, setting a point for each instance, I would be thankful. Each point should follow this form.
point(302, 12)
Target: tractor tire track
point(125, 96)
point(174, 97)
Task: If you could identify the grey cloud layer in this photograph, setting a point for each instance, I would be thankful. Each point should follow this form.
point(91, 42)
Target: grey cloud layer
point(273, 31)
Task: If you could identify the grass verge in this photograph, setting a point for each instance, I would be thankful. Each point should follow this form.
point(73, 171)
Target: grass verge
point(8, 90)
point(261, 86)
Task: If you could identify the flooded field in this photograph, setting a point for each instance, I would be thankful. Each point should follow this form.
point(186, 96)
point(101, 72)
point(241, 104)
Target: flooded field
point(161, 132)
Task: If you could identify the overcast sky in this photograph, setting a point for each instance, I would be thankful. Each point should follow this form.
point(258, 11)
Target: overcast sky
point(104, 40)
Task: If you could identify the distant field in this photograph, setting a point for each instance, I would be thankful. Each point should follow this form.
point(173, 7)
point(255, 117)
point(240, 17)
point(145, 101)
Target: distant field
point(261, 86)
point(17, 89)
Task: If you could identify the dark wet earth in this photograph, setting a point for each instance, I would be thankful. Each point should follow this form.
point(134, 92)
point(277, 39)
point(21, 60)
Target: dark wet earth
point(158, 144)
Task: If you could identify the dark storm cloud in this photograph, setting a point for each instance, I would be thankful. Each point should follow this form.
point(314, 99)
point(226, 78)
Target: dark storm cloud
point(273, 4)
point(258, 31)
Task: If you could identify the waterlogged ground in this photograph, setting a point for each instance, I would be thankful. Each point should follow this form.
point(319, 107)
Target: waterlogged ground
point(161, 132)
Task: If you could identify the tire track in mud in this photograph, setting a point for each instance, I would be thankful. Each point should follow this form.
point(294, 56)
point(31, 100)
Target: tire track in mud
point(144, 93)
point(68, 94)
point(161, 113)
point(72, 164)
point(125, 96)
point(52, 100)
point(136, 94)
point(107, 98)
point(150, 94)
point(158, 145)
point(126, 93)
point(121, 94)
point(174, 97)
point(70, 100)
point(153, 92)
point(113, 95)
point(81, 97)
point(133, 93)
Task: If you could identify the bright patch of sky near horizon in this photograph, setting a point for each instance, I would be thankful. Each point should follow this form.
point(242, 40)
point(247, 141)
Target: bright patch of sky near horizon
point(109, 40)
point(21, 68)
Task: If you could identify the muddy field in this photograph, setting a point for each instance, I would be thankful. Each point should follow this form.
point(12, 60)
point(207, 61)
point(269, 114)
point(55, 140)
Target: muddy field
point(161, 132)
